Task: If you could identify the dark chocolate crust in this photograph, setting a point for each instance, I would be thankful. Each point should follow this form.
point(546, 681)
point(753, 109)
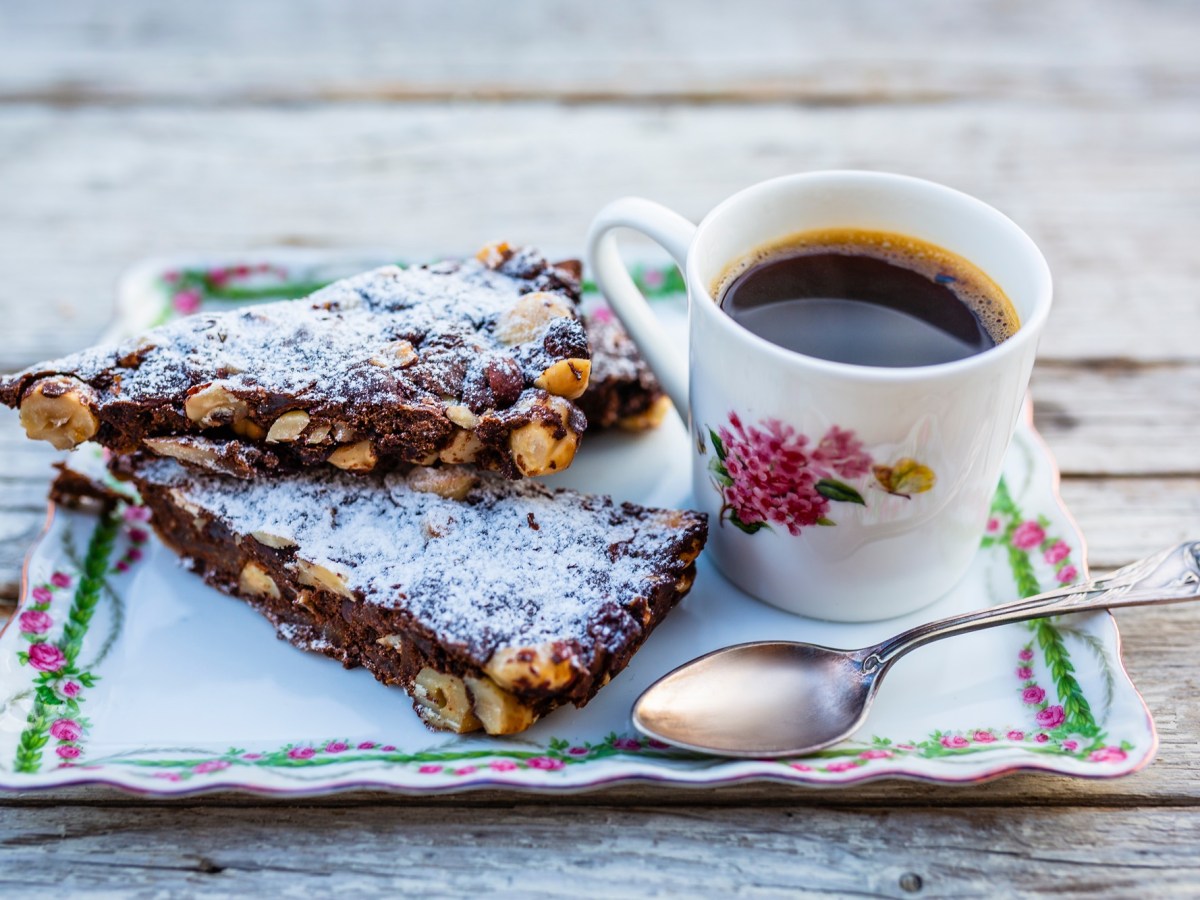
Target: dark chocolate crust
point(395, 366)
point(595, 580)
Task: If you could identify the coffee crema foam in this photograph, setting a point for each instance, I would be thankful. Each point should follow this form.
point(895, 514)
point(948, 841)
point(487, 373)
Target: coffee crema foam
point(971, 285)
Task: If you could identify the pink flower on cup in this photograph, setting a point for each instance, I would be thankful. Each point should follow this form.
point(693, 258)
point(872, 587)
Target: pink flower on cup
point(212, 765)
point(1057, 552)
point(121, 566)
point(657, 745)
point(876, 753)
point(1067, 574)
point(627, 744)
point(1050, 717)
point(186, 302)
point(1033, 694)
point(905, 747)
point(801, 767)
point(167, 776)
point(68, 751)
point(1015, 735)
point(60, 579)
point(503, 765)
point(1028, 535)
point(139, 535)
point(367, 745)
point(136, 514)
point(1070, 746)
point(41, 594)
point(578, 751)
point(842, 452)
point(70, 689)
point(1026, 654)
point(336, 747)
point(602, 314)
point(955, 742)
point(1107, 755)
point(1024, 673)
point(46, 657)
point(133, 554)
point(1042, 738)
point(429, 769)
point(984, 737)
point(844, 765)
point(35, 622)
point(544, 762)
point(301, 753)
point(252, 756)
point(993, 525)
point(464, 770)
point(387, 748)
point(65, 730)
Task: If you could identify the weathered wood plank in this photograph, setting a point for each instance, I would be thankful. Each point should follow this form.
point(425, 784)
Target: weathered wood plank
point(72, 51)
point(601, 852)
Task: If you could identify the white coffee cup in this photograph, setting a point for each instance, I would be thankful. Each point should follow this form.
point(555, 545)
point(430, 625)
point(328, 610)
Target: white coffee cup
point(783, 442)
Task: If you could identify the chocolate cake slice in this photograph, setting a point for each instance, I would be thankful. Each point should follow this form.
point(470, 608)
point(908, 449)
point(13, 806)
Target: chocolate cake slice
point(491, 602)
point(467, 361)
point(622, 391)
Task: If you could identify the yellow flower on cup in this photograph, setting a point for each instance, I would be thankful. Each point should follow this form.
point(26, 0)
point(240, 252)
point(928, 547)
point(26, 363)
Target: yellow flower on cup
point(905, 477)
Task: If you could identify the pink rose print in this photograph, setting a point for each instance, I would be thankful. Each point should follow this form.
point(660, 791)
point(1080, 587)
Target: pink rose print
point(167, 776)
point(218, 277)
point(42, 594)
point(842, 452)
point(1042, 738)
point(657, 745)
point(1025, 655)
point(133, 554)
point(653, 278)
point(70, 689)
point(544, 762)
point(603, 314)
point(367, 745)
point(121, 566)
point(136, 514)
point(954, 742)
point(186, 302)
point(1107, 754)
point(301, 753)
point(905, 747)
point(1051, 717)
point(876, 754)
point(1057, 552)
point(252, 756)
point(46, 657)
point(35, 622)
point(503, 765)
point(1028, 535)
point(578, 751)
point(1067, 574)
point(841, 766)
point(627, 744)
point(429, 770)
point(213, 765)
point(170, 277)
point(993, 525)
point(1015, 735)
point(464, 770)
point(139, 535)
point(801, 767)
point(60, 579)
point(388, 748)
point(336, 747)
point(984, 737)
point(1070, 746)
point(1024, 673)
point(1033, 694)
point(68, 751)
point(65, 730)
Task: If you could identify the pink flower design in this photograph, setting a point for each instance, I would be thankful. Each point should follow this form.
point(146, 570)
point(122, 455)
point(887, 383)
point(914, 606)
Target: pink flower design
point(905, 747)
point(301, 753)
point(213, 765)
point(46, 657)
point(843, 765)
point(70, 688)
point(602, 314)
point(993, 525)
point(134, 554)
point(60, 579)
point(429, 769)
point(1050, 717)
point(503, 765)
point(388, 748)
point(139, 535)
point(1026, 654)
point(801, 767)
point(464, 770)
point(1033, 694)
point(1028, 535)
point(657, 745)
point(1057, 552)
point(876, 754)
point(1070, 746)
point(121, 566)
point(170, 277)
point(186, 302)
point(653, 278)
point(842, 452)
point(544, 762)
point(136, 514)
point(955, 742)
point(218, 277)
point(1024, 673)
point(167, 776)
point(65, 730)
point(252, 756)
point(1042, 738)
point(627, 744)
point(1107, 754)
point(1015, 735)
point(367, 745)
point(984, 737)
point(35, 622)
point(41, 594)
point(578, 751)
point(1067, 574)
point(68, 751)
point(336, 747)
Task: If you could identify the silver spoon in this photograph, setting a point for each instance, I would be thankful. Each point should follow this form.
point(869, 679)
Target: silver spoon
point(781, 698)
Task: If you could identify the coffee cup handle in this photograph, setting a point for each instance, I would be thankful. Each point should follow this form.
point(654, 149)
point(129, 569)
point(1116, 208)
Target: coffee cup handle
point(674, 233)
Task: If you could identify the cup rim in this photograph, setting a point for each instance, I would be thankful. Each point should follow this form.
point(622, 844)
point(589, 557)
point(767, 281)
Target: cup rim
point(1029, 329)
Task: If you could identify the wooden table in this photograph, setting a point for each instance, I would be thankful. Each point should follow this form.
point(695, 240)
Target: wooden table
point(136, 128)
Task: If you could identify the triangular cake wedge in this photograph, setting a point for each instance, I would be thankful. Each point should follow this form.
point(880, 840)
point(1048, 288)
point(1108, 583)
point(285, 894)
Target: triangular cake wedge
point(470, 361)
point(490, 601)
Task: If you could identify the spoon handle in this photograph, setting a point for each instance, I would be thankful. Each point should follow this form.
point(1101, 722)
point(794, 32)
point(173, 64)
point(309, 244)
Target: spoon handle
point(1172, 576)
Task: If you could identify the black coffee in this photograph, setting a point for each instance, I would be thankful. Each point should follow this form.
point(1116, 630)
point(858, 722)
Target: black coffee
point(868, 298)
